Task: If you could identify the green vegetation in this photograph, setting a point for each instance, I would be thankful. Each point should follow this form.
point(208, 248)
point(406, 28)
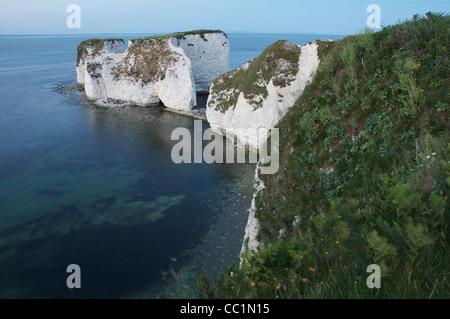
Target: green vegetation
point(278, 62)
point(152, 57)
point(97, 44)
point(364, 173)
point(93, 69)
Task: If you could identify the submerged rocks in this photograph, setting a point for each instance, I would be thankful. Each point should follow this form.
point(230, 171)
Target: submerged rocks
point(258, 93)
point(170, 68)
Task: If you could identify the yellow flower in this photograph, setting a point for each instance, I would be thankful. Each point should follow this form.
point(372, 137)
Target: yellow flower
point(356, 282)
point(312, 269)
point(278, 287)
point(337, 242)
point(304, 279)
point(252, 284)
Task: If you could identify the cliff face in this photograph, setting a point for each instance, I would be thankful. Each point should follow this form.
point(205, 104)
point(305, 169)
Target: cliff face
point(91, 49)
point(258, 93)
point(209, 55)
point(251, 241)
point(169, 68)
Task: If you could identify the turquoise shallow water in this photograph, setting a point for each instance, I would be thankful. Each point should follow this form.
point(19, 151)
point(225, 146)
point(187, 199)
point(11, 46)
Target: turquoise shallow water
point(97, 187)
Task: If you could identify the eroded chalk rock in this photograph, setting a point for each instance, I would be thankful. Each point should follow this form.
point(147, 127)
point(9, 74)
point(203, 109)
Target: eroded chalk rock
point(259, 93)
point(169, 68)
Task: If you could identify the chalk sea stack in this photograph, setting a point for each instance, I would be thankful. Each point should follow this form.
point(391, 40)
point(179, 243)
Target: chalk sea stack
point(171, 68)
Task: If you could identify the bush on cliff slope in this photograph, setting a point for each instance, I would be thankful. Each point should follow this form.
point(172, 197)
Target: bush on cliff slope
point(364, 163)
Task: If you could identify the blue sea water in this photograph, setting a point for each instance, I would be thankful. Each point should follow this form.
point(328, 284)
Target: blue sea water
point(96, 187)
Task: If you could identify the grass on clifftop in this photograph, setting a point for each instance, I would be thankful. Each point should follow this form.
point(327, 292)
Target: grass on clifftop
point(278, 62)
point(152, 57)
point(97, 44)
point(364, 176)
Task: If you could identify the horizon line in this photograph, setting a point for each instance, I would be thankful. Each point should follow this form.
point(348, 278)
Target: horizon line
point(126, 33)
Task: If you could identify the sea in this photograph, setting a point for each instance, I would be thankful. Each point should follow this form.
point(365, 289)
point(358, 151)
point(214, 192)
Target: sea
point(96, 187)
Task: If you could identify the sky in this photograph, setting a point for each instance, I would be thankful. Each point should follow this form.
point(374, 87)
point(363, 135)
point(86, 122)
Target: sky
point(337, 17)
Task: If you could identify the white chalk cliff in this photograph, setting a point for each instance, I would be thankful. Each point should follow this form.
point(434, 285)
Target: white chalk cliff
point(169, 68)
point(259, 93)
point(251, 241)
